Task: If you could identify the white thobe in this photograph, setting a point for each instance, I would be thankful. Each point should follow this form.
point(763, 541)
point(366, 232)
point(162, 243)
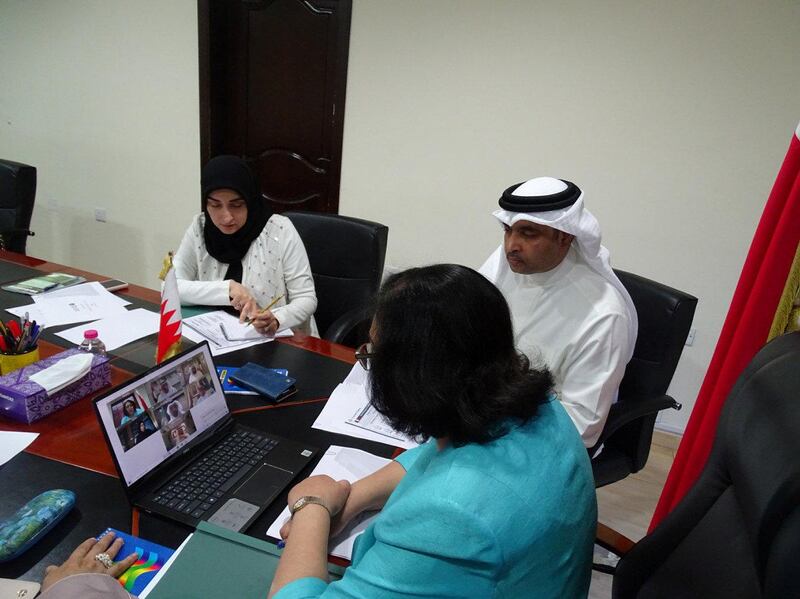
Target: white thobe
point(276, 264)
point(575, 322)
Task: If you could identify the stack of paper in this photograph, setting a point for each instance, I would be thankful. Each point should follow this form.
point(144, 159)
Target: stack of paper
point(348, 412)
point(225, 332)
point(341, 463)
point(80, 303)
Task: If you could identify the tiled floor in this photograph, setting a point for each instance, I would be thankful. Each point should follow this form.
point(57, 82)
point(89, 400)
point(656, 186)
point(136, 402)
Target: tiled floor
point(628, 505)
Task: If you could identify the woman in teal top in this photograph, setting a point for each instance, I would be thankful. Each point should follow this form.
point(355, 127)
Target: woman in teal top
point(499, 502)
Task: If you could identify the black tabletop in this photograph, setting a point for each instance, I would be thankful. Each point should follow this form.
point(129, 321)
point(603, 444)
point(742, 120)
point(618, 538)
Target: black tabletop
point(101, 501)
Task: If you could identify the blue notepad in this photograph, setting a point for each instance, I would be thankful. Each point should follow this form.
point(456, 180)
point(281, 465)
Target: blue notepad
point(266, 381)
point(228, 386)
point(152, 558)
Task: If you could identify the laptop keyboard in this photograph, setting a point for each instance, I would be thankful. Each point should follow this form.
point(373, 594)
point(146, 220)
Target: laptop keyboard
point(202, 485)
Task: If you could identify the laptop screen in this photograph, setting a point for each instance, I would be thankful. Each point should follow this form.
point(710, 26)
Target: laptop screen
point(157, 414)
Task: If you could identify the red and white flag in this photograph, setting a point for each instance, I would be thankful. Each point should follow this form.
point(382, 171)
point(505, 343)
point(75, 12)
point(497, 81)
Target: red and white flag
point(763, 307)
point(169, 330)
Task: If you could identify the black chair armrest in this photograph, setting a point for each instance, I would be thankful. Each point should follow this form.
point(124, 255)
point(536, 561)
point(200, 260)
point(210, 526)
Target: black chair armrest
point(623, 412)
point(17, 232)
point(8, 236)
point(345, 329)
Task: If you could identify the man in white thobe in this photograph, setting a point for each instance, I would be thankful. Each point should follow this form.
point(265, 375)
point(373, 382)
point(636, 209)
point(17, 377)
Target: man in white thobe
point(570, 311)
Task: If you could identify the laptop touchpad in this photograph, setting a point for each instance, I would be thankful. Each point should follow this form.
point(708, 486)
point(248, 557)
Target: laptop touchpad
point(262, 487)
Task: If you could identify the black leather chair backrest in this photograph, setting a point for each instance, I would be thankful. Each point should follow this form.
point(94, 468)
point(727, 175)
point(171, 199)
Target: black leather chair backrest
point(665, 315)
point(17, 194)
point(736, 533)
point(346, 256)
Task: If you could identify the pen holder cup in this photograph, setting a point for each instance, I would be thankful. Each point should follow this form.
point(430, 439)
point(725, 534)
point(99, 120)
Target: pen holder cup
point(12, 362)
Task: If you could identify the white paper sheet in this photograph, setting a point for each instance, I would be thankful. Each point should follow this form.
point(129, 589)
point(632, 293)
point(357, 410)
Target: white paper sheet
point(92, 289)
point(12, 443)
point(81, 303)
point(347, 402)
point(119, 329)
point(207, 327)
point(341, 463)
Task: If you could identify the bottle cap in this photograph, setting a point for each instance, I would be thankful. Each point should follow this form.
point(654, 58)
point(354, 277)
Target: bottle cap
point(90, 334)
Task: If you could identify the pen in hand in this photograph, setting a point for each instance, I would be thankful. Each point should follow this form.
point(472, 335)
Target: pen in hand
point(271, 304)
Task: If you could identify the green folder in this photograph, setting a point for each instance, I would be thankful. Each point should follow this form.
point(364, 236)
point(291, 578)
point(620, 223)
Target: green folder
point(217, 562)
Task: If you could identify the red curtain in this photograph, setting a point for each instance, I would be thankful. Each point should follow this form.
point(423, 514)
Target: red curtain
point(746, 326)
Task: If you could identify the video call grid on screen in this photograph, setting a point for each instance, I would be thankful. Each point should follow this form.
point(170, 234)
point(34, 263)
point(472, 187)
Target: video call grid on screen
point(154, 416)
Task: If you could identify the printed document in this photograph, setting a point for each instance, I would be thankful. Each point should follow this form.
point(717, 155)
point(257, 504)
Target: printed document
point(341, 463)
point(224, 332)
point(348, 412)
point(81, 303)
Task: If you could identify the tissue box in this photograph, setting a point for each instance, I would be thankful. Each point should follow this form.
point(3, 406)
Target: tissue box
point(26, 401)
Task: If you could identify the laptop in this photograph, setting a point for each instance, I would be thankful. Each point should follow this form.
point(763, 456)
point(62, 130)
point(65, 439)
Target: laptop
point(180, 454)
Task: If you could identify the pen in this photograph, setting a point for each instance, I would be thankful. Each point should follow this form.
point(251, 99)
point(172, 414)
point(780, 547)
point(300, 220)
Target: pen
point(272, 303)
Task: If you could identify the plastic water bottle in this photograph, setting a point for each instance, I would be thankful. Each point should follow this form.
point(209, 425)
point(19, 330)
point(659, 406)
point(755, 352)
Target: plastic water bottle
point(91, 343)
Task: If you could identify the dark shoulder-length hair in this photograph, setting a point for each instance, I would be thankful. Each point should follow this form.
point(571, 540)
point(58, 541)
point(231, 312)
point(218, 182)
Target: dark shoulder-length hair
point(444, 362)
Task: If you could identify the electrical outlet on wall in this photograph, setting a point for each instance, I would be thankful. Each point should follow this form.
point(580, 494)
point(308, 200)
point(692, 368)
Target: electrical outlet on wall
point(100, 215)
point(690, 337)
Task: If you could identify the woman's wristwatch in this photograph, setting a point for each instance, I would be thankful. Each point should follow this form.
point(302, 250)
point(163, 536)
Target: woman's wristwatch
point(307, 500)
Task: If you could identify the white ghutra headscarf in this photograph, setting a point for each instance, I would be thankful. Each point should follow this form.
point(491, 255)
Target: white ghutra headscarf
point(559, 204)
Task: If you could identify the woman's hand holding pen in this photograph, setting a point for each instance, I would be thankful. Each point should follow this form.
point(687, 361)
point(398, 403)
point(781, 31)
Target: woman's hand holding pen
point(265, 322)
point(241, 298)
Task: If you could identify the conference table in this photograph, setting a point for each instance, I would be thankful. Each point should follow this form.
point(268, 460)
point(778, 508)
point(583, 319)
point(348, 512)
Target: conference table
point(71, 453)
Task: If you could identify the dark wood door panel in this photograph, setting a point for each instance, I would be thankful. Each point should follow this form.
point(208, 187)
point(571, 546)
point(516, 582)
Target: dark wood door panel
point(296, 183)
point(273, 76)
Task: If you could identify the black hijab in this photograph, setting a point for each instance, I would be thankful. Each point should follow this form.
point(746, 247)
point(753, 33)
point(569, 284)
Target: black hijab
point(231, 172)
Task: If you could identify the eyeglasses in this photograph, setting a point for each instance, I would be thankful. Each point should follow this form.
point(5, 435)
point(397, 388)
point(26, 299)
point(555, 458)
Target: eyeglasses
point(364, 355)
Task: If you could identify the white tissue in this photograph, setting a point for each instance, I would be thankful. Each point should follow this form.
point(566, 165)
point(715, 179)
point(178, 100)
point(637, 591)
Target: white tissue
point(63, 373)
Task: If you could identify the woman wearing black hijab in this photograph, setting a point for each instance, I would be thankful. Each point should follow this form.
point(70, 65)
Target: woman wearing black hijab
point(236, 253)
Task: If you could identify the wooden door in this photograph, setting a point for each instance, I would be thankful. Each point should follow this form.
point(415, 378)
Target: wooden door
point(272, 90)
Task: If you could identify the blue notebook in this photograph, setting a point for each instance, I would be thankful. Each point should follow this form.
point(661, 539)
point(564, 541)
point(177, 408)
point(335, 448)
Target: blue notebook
point(228, 386)
point(152, 558)
point(266, 381)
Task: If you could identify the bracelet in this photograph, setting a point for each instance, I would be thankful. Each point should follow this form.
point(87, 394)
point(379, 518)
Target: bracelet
point(308, 500)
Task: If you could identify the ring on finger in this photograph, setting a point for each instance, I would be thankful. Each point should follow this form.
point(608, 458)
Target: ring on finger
point(105, 559)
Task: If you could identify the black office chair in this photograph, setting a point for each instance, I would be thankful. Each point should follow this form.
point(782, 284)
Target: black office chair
point(736, 533)
point(346, 256)
point(17, 194)
point(665, 316)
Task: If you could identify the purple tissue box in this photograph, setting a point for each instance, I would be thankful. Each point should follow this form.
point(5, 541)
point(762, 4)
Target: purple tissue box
point(26, 401)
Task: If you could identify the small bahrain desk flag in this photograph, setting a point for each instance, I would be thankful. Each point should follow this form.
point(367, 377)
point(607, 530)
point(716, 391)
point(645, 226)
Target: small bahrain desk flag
point(169, 330)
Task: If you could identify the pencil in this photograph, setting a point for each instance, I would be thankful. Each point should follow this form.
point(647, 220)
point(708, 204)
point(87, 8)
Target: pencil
point(272, 303)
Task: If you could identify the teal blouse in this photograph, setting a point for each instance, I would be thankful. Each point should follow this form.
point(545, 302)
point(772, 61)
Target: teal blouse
point(514, 518)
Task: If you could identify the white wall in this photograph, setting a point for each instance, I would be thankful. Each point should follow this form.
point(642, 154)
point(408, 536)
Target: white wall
point(673, 117)
point(102, 97)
